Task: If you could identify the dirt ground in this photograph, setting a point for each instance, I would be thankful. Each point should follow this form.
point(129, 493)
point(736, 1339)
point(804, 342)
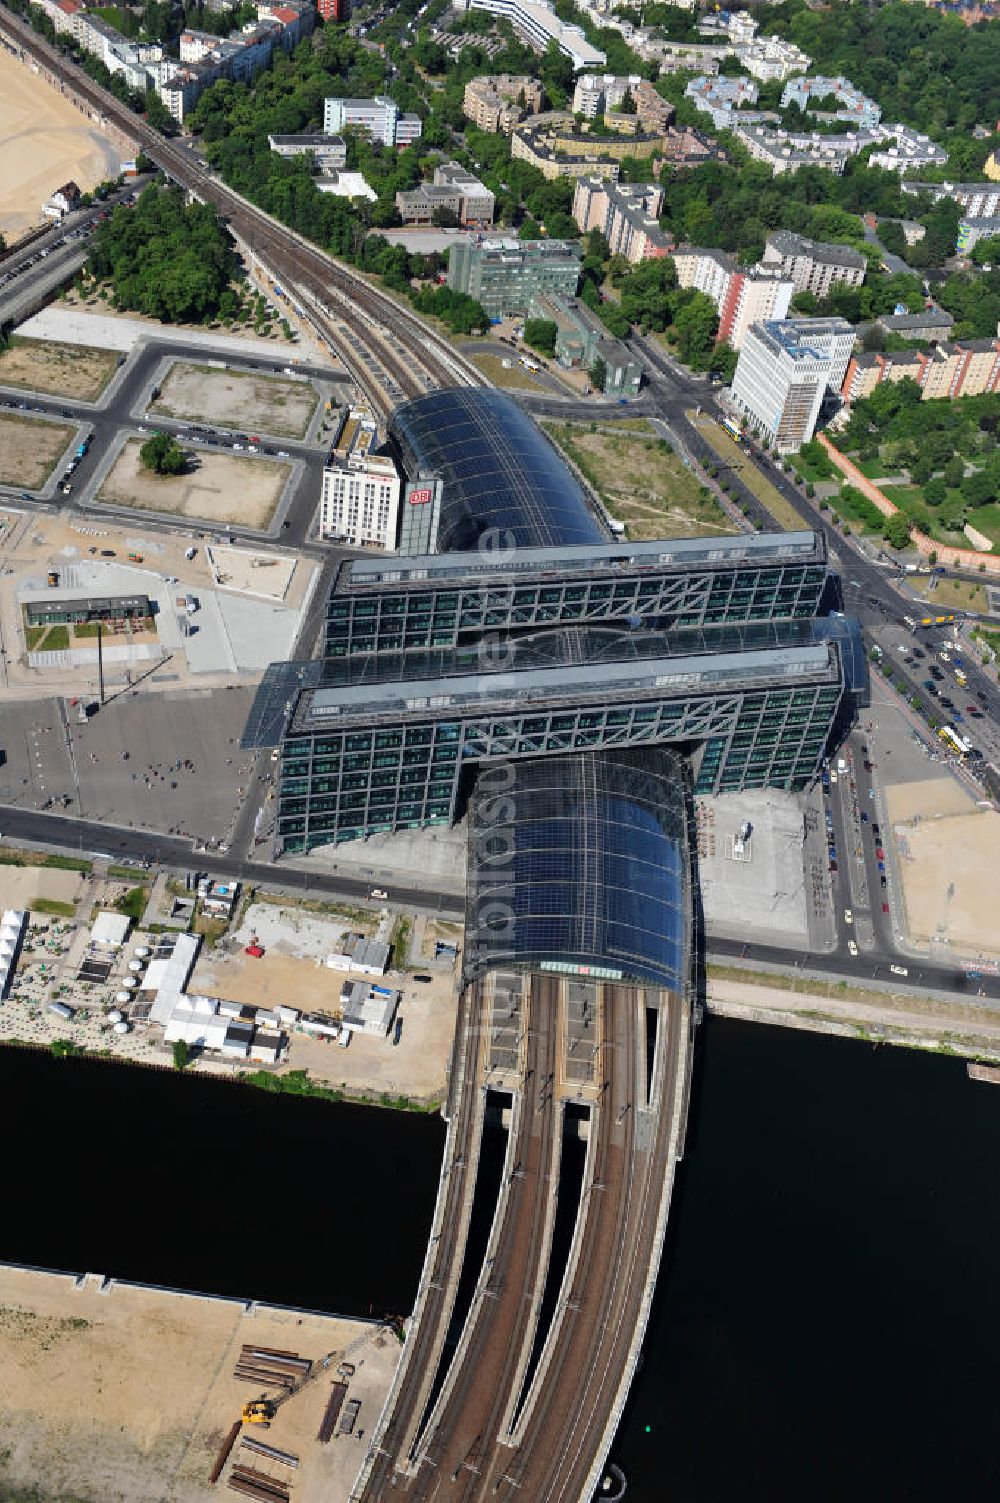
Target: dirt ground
point(947, 859)
point(515, 379)
point(229, 399)
point(69, 370)
point(22, 886)
point(44, 141)
point(648, 489)
point(222, 489)
point(122, 1394)
point(29, 449)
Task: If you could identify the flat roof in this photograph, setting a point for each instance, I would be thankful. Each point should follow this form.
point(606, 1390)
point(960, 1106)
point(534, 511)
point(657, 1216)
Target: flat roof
point(48, 604)
point(572, 560)
point(328, 708)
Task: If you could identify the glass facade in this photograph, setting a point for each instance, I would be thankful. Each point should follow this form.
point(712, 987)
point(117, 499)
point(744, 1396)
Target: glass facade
point(581, 863)
point(342, 782)
point(432, 615)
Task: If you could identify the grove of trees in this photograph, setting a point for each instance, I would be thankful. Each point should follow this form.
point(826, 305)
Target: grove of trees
point(168, 259)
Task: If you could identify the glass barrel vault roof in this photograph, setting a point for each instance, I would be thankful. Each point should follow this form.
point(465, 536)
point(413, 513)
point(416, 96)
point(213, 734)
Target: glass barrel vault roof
point(581, 863)
point(497, 468)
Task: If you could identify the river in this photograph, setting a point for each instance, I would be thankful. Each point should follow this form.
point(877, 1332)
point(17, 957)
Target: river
point(823, 1326)
point(202, 1184)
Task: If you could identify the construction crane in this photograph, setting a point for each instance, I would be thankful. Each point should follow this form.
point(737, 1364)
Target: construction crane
point(263, 1410)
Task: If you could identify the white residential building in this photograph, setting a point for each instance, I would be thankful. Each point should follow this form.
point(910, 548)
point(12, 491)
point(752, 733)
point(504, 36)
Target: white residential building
point(536, 22)
point(813, 265)
point(328, 152)
point(361, 490)
point(721, 97)
point(772, 60)
point(380, 119)
point(976, 200)
point(906, 150)
point(596, 93)
point(783, 373)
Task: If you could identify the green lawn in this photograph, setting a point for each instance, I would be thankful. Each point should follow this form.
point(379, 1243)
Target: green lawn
point(874, 469)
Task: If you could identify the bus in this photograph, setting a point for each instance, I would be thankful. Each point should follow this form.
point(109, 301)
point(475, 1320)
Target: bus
point(958, 743)
point(733, 429)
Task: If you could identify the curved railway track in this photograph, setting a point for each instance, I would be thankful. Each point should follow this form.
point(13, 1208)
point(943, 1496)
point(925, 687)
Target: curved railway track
point(368, 328)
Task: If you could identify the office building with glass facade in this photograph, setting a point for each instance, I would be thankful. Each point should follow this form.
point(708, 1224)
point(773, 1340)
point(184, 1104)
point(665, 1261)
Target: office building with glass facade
point(534, 636)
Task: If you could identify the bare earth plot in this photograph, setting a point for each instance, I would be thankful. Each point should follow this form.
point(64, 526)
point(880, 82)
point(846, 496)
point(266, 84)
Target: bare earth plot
point(29, 449)
point(221, 488)
point(641, 484)
point(69, 370)
point(125, 1395)
point(230, 399)
point(947, 859)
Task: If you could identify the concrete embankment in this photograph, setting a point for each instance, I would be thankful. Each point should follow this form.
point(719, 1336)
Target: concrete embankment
point(916, 1022)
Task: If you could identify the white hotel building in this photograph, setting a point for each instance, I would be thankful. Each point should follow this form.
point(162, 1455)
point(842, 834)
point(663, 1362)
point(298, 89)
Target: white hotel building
point(361, 490)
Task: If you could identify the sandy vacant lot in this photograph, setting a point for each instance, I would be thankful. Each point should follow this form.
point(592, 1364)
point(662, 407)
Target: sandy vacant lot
point(22, 886)
point(44, 142)
point(221, 488)
point(947, 859)
point(29, 449)
point(228, 399)
point(70, 370)
point(125, 1395)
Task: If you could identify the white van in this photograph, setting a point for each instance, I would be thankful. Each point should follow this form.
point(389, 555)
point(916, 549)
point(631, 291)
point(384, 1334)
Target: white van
point(344, 1037)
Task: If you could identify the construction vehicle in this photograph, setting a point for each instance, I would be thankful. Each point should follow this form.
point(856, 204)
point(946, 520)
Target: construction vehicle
point(263, 1410)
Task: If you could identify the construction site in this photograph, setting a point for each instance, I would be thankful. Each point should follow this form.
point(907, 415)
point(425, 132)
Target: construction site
point(117, 1390)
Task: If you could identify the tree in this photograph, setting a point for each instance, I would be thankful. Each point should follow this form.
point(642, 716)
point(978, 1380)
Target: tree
point(954, 472)
point(182, 1055)
point(541, 333)
point(896, 530)
point(979, 488)
point(163, 455)
point(598, 374)
point(935, 492)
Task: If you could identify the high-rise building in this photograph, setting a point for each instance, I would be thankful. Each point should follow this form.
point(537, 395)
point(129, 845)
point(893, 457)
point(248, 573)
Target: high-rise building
point(743, 295)
point(360, 498)
point(625, 213)
point(783, 373)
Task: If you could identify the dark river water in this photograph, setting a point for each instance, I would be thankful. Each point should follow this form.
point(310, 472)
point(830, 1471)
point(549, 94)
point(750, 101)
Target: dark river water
point(823, 1329)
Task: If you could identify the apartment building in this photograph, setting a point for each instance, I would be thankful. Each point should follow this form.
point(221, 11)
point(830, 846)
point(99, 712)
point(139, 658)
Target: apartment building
point(721, 97)
point(505, 274)
point(743, 296)
point(626, 214)
point(906, 149)
point(813, 265)
point(971, 231)
point(963, 368)
point(596, 93)
point(783, 373)
point(328, 152)
point(976, 200)
point(61, 13)
point(853, 104)
point(931, 324)
point(454, 191)
point(772, 60)
point(536, 23)
point(360, 499)
point(497, 103)
point(558, 149)
point(380, 119)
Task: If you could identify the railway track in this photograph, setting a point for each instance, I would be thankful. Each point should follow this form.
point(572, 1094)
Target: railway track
point(390, 352)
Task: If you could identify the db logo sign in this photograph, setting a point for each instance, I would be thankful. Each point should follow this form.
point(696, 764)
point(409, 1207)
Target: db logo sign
point(420, 497)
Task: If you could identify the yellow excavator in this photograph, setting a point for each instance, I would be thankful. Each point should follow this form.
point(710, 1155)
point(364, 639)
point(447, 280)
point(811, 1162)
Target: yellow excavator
point(263, 1410)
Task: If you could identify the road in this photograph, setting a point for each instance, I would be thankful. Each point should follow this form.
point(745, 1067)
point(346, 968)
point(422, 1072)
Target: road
point(123, 411)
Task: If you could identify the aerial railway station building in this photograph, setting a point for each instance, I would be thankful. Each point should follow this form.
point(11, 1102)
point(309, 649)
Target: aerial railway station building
point(531, 634)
